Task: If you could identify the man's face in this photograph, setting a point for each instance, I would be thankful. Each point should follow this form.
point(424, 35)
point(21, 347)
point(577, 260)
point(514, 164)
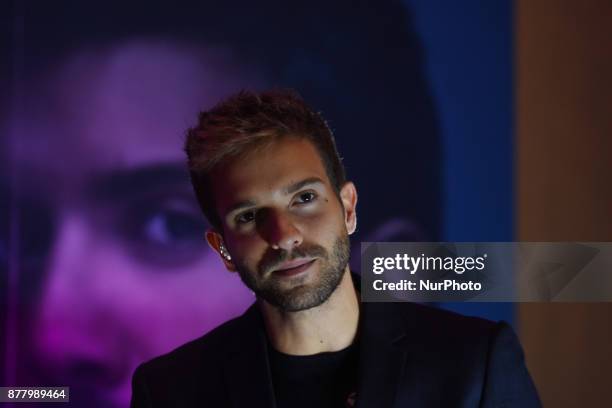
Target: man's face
point(283, 223)
point(113, 263)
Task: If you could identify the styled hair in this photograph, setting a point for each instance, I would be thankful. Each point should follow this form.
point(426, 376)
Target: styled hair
point(246, 121)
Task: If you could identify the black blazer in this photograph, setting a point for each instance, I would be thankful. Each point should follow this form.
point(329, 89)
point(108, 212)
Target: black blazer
point(410, 356)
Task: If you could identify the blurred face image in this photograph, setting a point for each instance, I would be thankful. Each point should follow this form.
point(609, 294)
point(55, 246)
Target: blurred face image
point(283, 223)
point(113, 264)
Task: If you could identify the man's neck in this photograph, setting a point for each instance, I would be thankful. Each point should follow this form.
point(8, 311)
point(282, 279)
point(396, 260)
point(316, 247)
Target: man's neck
point(331, 326)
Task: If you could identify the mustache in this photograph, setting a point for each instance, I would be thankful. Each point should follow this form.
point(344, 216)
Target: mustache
point(273, 258)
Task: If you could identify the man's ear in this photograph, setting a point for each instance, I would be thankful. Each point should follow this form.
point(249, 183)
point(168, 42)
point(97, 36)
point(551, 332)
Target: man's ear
point(348, 196)
point(215, 241)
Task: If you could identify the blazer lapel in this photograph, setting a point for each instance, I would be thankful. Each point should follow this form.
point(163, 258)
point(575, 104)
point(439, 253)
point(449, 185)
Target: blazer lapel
point(246, 371)
point(398, 367)
point(382, 360)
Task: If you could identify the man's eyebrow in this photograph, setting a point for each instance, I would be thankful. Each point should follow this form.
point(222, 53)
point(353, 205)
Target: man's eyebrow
point(292, 188)
point(125, 182)
point(240, 205)
point(301, 184)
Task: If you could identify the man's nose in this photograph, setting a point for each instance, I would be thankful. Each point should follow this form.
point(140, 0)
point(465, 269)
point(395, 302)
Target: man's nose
point(72, 332)
point(280, 230)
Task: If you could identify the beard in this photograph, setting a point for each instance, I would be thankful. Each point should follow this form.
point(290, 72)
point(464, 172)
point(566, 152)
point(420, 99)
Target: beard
point(301, 296)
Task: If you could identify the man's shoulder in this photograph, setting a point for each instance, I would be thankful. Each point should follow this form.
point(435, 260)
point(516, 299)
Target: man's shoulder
point(195, 370)
point(437, 329)
point(471, 358)
point(188, 358)
point(448, 342)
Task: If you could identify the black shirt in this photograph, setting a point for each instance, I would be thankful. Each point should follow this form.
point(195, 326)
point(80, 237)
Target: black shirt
point(324, 380)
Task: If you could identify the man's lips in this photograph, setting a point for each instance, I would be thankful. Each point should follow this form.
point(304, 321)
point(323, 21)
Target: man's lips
point(294, 267)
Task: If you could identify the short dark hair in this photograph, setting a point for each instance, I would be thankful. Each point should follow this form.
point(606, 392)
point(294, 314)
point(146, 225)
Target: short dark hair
point(248, 120)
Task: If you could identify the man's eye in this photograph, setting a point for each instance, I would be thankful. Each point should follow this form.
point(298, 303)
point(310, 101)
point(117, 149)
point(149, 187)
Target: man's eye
point(171, 228)
point(245, 217)
point(167, 227)
point(169, 234)
point(306, 197)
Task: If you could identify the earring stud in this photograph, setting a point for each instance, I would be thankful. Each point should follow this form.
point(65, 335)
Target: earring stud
point(224, 253)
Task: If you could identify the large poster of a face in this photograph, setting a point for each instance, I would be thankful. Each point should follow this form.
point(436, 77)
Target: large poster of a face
point(104, 264)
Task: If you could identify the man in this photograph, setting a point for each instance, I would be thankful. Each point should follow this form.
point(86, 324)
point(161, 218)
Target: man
point(269, 179)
